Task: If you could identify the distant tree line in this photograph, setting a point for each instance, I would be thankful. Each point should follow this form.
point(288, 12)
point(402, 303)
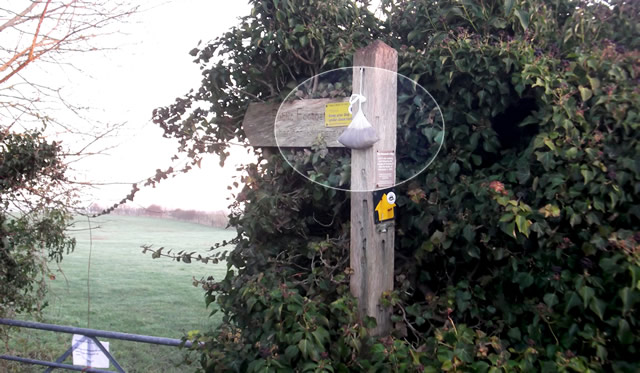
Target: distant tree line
point(213, 219)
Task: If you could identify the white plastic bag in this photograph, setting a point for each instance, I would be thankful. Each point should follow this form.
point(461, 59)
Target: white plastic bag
point(360, 134)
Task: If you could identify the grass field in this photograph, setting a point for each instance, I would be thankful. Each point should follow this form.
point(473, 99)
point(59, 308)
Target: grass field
point(130, 292)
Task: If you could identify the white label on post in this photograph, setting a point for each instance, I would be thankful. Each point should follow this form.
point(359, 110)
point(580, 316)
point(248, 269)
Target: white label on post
point(385, 168)
point(88, 354)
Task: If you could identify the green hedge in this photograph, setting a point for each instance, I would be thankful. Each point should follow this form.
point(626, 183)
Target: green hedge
point(517, 250)
point(34, 214)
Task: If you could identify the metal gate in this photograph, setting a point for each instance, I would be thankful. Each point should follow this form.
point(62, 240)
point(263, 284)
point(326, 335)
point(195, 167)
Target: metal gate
point(91, 334)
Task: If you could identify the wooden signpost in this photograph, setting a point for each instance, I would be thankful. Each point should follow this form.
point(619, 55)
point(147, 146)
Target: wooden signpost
point(372, 245)
point(299, 124)
point(372, 227)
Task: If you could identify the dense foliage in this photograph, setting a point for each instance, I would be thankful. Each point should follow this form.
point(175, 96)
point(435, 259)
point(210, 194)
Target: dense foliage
point(33, 218)
point(518, 250)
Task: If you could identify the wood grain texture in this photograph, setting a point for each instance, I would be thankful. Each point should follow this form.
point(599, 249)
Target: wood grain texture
point(299, 123)
point(372, 246)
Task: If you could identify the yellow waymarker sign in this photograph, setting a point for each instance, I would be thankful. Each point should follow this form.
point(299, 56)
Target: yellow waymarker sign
point(385, 209)
point(337, 114)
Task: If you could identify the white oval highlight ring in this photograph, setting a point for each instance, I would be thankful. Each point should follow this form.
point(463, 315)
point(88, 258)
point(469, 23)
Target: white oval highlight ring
point(316, 112)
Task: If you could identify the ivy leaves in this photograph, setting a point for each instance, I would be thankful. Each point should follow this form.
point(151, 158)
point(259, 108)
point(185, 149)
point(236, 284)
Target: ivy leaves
point(31, 172)
point(517, 250)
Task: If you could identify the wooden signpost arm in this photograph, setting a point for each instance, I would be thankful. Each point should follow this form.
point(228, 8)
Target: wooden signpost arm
point(372, 245)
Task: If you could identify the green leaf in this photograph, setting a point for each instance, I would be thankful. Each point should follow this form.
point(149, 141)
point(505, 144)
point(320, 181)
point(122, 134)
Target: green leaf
point(524, 225)
point(549, 143)
point(509, 229)
point(524, 279)
point(321, 335)
point(427, 246)
point(472, 117)
point(291, 352)
point(480, 366)
point(454, 168)
point(437, 237)
point(436, 38)
point(498, 23)
point(250, 303)
point(587, 294)
point(444, 355)
point(610, 264)
point(575, 219)
point(256, 365)
point(523, 16)
point(523, 175)
point(455, 11)
point(574, 300)
point(571, 153)
point(309, 366)
point(519, 89)
point(439, 138)
point(413, 35)
point(626, 294)
point(635, 276)
point(468, 233)
point(587, 175)
point(578, 365)
point(508, 6)
point(304, 347)
point(462, 300)
point(464, 352)
point(550, 299)
point(514, 334)
point(476, 159)
point(585, 93)
point(507, 217)
point(280, 16)
point(546, 158)
point(624, 334)
point(598, 306)
point(447, 366)
point(598, 204)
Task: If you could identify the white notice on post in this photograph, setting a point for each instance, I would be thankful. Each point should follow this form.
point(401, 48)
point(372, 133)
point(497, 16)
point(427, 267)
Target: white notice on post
point(88, 354)
point(385, 168)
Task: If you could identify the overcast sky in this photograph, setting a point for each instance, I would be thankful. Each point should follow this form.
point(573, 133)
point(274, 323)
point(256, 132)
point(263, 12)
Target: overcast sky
point(150, 67)
point(145, 65)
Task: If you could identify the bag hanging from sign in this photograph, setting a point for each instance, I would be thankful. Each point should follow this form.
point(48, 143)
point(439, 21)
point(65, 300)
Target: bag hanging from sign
point(360, 134)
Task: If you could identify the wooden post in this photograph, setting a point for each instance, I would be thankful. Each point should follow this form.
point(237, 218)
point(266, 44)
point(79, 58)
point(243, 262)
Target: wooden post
point(372, 246)
point(299, 124)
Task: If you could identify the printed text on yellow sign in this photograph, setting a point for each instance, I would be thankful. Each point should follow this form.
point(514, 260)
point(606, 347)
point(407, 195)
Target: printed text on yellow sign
point(337, 114)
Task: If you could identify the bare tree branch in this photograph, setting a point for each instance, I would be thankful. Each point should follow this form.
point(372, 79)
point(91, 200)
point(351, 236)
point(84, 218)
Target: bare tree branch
point(41, 32)
point(18, 17)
